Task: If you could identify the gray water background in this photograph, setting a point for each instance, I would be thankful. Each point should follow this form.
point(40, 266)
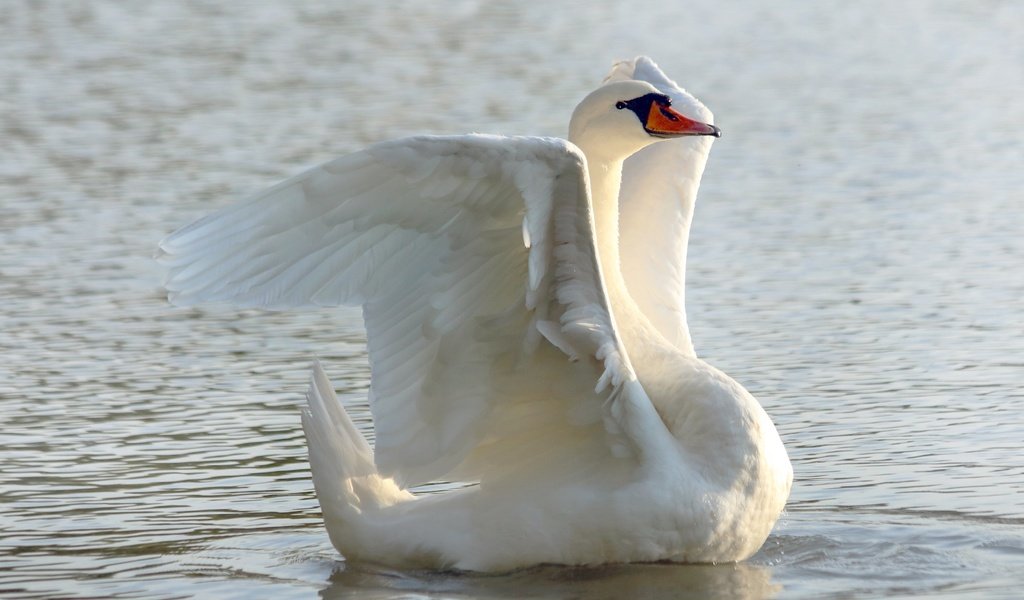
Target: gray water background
point(856, 262)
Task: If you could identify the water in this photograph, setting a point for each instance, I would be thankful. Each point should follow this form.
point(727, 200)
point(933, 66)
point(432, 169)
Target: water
point(855, 262)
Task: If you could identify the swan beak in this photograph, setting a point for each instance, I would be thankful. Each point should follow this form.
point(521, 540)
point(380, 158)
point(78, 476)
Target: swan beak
point(662, 121)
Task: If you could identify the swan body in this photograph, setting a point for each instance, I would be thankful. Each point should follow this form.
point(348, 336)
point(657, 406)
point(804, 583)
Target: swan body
point(506, 349)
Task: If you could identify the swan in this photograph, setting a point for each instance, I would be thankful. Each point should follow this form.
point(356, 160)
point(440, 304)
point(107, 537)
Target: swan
point(506, 350)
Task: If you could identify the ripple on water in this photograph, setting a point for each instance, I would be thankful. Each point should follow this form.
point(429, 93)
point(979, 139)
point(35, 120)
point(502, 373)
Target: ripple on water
point(882, 552)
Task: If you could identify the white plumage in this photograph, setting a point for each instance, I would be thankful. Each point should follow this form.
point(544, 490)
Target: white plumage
point(505, 349)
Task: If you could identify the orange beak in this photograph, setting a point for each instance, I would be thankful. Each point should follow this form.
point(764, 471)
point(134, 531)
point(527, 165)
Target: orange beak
point(662, 121)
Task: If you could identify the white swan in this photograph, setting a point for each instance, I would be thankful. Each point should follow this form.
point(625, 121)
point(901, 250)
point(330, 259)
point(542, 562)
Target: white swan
point(505, 349)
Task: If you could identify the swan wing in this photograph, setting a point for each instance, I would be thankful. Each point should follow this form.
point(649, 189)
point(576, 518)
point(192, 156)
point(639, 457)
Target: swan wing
point(490, 340)
point(659, 186)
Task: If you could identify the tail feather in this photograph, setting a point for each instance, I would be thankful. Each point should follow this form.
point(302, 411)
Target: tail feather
point(344, 474)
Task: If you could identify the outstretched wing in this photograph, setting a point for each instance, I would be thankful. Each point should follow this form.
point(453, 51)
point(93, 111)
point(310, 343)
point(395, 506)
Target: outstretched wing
point(659, 187)
point(473, 259)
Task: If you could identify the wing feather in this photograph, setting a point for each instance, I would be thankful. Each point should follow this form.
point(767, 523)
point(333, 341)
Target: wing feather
point(463, 251)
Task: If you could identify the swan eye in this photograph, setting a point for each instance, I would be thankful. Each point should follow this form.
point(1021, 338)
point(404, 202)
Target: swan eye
point(620, 105)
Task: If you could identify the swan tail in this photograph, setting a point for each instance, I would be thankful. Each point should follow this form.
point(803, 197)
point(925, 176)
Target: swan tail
point(346, 479)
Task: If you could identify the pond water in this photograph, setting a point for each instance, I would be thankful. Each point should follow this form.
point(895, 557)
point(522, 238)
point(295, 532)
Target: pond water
point(856, 262)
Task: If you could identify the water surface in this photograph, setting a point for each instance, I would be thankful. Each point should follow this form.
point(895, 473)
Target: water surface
point(855, 263)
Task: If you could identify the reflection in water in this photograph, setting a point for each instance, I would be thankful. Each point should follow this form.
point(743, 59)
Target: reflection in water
point(611, 582)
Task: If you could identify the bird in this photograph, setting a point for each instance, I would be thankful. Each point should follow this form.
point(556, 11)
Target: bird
point(509, 350)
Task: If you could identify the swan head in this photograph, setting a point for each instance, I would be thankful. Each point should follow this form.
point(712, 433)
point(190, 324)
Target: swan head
point(622, 117)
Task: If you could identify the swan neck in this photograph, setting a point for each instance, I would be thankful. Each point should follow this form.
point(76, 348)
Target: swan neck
point(656, 211)
point(605, 183)
point(604, 171)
